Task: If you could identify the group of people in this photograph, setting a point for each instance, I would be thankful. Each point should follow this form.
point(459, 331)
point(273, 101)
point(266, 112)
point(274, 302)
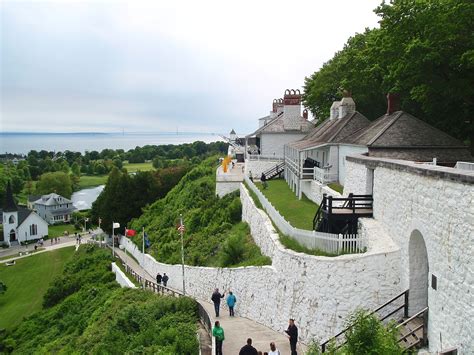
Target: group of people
point(160, 279)
point(248, 349)
point(231, 300)
point(55, 240)
point(78, 238)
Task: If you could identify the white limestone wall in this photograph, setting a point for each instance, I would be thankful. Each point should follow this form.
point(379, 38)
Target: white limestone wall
point(226, 187)
point(273, 143)
point(121, 278)
point(443, 212)
point(314, 190)
point(356, 179)
point(344, 151)
point(258, 167)
point(318, 291)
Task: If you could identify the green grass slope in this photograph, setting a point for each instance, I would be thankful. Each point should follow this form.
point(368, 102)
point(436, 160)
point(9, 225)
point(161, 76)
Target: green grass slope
point(215, 235)
point(86, 312)
point(27, 282)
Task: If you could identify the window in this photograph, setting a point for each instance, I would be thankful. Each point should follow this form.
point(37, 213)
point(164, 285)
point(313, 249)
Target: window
point(33, 229)
point(11, 220)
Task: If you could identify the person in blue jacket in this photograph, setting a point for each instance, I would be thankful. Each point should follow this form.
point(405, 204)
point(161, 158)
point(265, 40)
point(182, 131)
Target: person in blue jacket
point(231, 301)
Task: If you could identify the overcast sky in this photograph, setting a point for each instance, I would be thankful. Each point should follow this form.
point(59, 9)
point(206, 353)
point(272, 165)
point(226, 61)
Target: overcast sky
point(203, 66)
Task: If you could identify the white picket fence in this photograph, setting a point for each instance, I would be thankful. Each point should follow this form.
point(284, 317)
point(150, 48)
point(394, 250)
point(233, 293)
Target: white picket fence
point(258, 157)
point(327, 242)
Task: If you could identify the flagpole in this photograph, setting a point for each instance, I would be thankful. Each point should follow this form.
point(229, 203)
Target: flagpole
point(143, 256)
point(113, 240)
point(182, 251)
point(125, 247)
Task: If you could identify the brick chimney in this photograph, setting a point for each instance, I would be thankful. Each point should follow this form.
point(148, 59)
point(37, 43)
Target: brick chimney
point(393, 102)
point(292, 109)
point(305, 114)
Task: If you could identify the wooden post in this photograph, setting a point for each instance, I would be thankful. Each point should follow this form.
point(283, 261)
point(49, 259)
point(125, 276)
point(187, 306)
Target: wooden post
point(425, 327)
point(405, 308)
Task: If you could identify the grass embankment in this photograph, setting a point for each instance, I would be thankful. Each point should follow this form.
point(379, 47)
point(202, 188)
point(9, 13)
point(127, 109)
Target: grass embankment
point(134, 167)
point(86, 312)
point(299, 213)
point(57, 230)
point(215, 234)
point(27, 282)
point(89, 181)
point(336, 187)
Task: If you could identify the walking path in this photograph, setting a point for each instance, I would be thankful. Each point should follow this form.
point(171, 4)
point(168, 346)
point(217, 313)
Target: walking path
point(62, 243)
point(237, 329)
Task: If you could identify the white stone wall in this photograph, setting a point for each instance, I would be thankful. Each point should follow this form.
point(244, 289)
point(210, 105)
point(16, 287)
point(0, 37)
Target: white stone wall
point(258, 167)
point(273, 143)
point(121, 278)
point(356, 179)
point(345, 150)
point(442, 211)
point(314, 190)
point(226, 187)
point(318, 291)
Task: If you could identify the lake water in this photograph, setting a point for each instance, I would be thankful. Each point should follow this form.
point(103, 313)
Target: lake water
point(80, 142)
point(83, 199)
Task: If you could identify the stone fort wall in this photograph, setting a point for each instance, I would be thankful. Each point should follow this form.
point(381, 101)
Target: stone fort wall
point(438, 203)
point(318, 291)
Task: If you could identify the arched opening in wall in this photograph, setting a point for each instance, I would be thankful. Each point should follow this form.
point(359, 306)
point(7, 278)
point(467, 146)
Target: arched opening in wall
point(419, 271)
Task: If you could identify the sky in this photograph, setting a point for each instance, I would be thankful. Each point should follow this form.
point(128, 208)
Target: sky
point(159, 66)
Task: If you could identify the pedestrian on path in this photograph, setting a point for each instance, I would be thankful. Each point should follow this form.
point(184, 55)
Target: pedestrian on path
point(158, 278)
point(231, 300)
point(165, 279)
point(292, 332)
point(216, 299)
point(218, 333)
point(273, 349)
point(248, 349)
point(263, 179)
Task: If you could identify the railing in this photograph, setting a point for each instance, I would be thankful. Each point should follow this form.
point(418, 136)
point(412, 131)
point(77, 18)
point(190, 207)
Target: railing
point(323, 175)
point(395, 308)
point(463, 165)
point(274, 171)
point(258, 157)
point(327, 242)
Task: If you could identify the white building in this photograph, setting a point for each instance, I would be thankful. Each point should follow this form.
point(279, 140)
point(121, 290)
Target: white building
point(54, 208)
point(20, 224)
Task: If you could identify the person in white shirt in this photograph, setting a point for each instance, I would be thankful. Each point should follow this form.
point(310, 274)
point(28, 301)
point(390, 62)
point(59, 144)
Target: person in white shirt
point(274, 350)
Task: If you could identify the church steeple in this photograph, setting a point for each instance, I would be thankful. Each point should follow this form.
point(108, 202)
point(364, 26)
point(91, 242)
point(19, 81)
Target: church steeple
point(9, 203)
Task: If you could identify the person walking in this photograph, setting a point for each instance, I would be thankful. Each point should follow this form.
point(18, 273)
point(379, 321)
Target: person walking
point(248, 349)
point(273, 349)
point(218, 333)
point(158, 278)
point(263, 179)
point(292, 332)
point(165, 279)
point(231, 300)
point(216, 299)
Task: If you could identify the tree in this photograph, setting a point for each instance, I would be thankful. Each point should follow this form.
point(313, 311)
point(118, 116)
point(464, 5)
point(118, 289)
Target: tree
point(76, 169)
point(58, 182)
point(423, 50)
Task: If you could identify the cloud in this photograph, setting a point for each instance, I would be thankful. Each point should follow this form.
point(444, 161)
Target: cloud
point(207, 65)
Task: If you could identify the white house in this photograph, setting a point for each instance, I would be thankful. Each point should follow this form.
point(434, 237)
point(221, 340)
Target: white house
point(20, 224)
point(54, 208)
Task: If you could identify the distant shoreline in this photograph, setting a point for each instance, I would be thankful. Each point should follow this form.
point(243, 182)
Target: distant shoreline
point(108, 133)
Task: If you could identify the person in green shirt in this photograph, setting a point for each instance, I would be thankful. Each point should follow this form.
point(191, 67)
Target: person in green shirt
point(218, 332)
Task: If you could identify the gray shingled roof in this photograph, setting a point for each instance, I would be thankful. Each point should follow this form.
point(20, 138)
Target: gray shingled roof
point(400, 129)
point(52, 200)
point(23, 214)
point(332, 131)
point(33, 198)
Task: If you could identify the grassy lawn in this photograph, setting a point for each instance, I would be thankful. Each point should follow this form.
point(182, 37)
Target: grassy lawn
point(58, 230)
point(134, 167)
point(336, 187)
point(27, 282)
point(87, 181)
point(299, 213)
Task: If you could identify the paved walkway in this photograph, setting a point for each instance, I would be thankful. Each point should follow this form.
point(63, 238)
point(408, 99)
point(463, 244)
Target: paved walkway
point(62, 243)
point(237, 329)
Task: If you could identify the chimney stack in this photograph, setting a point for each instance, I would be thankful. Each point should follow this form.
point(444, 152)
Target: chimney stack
point(305, 114)
point(393, 103)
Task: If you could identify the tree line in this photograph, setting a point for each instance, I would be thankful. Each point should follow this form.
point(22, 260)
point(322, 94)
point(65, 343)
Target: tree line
point(423, 50)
